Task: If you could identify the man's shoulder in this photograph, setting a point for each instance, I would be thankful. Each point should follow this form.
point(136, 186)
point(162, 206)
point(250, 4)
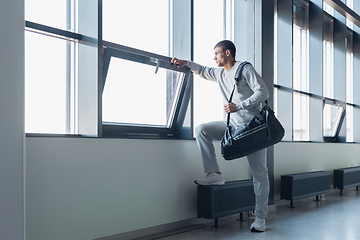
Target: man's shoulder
point(246, 64)
point(242, 66)
point(248, 67)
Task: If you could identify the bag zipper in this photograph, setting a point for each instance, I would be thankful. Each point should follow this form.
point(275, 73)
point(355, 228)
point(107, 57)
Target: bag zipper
point(256, 129)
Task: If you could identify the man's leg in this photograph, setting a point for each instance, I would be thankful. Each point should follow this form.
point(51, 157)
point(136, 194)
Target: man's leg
point(205, 134)
point(259, 172)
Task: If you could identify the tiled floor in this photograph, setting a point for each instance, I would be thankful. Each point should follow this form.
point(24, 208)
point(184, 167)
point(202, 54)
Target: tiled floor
point(335, 217)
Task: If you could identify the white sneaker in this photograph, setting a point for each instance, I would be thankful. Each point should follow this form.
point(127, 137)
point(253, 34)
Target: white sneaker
point(211, 179)
point(258, 225)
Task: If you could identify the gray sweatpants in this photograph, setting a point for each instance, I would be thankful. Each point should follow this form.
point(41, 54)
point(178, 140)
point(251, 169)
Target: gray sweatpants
point(206, 133)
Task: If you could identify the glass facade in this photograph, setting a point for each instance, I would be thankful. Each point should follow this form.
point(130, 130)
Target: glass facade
point(56, 98)
point(322, 72)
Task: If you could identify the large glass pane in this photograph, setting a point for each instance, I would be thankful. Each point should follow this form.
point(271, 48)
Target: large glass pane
point(208, 102)
point(276, 107)
point(52, 13)
point(284, 112)
point(333, 115)
point(46, 84)
point(141, 24)
point(349, 123)
point(349, 87)
point(328, 59)
point(356, 129)
point(300, 117)
point(349, 68)
point(315, 119)
point(300, 46)
point(134, 94)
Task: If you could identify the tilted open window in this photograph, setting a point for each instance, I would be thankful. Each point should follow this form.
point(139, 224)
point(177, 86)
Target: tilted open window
point(334, 114)
point(144, 94)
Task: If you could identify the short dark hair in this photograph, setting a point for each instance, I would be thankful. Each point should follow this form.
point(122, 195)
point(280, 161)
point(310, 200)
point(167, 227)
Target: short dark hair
point(226, 44)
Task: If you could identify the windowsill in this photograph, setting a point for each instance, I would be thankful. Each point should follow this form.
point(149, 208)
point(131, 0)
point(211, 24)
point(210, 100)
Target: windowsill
point(49, 135)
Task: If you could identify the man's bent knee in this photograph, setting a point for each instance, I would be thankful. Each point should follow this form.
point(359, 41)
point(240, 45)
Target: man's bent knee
point(200, 130)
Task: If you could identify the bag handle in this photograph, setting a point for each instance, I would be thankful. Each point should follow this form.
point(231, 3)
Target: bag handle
point(238, 75)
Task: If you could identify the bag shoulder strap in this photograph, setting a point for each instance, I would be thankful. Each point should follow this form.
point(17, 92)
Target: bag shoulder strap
point(239, 70)
point(238, 75)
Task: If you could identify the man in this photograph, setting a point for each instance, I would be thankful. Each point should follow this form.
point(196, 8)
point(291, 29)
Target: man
point(248, 97)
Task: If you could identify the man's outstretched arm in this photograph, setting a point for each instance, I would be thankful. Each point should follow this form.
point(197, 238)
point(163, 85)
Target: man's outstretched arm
point(204, 72)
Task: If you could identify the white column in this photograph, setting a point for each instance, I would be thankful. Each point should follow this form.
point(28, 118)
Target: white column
point(12, 137)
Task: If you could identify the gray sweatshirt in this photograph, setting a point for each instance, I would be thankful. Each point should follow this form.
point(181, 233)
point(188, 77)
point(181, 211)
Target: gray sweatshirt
point(250, 91)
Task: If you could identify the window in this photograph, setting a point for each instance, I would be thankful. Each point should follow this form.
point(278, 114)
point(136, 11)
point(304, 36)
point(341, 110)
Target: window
point(349, 123)
point(47, 85)
point(301, 117)
point(349, 68)
point(55, 13)
point(334, 110)
point(312, 105)
point(66, 92)
point(334, 114)
point(145, 91)
point(61, 67)
point(300, 46)
point(208, 102)
point(328, 58)
point(300, 71)
point(228, 19)
point(349, 87)
point(140, 24)
point(143, 94)
point(50, 74)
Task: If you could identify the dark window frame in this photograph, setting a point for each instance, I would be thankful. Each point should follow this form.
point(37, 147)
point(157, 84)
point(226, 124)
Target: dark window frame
point(175, 129)
point(339, 122)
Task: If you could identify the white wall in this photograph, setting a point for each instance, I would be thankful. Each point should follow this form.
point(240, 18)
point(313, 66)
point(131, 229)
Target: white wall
point(297, 157)
point(86, 188)
point(12, 120)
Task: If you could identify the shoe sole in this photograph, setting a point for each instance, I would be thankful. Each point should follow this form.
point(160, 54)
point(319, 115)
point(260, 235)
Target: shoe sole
point(213, 183)
point(255, 230)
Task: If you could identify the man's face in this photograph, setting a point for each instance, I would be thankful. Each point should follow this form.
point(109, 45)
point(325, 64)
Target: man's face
point(220, 57)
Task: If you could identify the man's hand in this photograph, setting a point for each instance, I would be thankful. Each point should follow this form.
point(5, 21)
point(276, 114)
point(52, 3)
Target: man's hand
point(178, 62)
point(230, 107)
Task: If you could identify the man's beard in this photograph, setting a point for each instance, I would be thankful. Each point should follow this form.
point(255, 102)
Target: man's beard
point(220, 64)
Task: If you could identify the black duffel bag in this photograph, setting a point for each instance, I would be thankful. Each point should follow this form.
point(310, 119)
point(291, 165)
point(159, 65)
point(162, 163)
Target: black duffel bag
point(262, 131)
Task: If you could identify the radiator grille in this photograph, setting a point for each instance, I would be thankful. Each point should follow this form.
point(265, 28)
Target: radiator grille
point(302, 185)
point(232, 197)
point(346, 177)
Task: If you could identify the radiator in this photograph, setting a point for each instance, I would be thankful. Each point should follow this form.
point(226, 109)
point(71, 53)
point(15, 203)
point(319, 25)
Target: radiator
point(303, 185)
point(346, 177)
point(223, 200)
